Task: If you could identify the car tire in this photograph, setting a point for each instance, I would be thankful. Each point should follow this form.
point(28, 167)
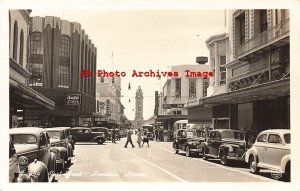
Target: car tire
point(204, 156)
point(287, 174)
point(223, 158)
point(187, 151)
point(175, 149)
point(100, 142)
point(253, 165)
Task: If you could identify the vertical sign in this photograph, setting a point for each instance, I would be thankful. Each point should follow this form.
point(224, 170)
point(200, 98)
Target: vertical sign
point(156, 104)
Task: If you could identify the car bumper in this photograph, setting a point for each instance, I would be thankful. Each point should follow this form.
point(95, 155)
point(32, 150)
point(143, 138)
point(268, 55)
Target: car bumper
point(196, 150)
point(234, 156)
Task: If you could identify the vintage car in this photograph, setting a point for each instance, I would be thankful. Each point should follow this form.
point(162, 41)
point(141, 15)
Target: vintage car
point(271, 150)
point(225, 144)
point(71, 139)
point(105, 130)
point(84, 134)
point(34, 153)
point(60, 146)
point(190, 141)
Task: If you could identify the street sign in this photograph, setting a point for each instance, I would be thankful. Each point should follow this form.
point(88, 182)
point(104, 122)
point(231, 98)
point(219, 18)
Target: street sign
point(169, 106)
point(73, 99)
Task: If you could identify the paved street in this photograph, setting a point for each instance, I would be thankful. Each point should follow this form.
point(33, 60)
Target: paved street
point(157, 163)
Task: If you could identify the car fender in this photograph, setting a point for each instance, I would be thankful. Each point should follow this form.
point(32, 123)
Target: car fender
point(251, 151)
point(284, 161)
point(97, 138)
point(37, 169)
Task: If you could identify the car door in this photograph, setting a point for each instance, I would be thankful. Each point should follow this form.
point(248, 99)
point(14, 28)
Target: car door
point(274, 150)
point(260, 146)
point(215, 143)
point(210, 141)
point(44, 151)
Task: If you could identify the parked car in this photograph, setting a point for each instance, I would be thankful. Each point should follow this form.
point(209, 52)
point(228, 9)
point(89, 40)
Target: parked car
point(84, 134)
point(71, 139)
point(225, 144)
point(190, 141)
point(60, 146)
point(271, 150)
point(105, 130)
point(34, 153)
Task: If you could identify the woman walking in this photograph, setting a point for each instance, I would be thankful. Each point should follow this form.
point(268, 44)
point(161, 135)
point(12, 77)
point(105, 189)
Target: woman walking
point(145, 138)
point(139, 137)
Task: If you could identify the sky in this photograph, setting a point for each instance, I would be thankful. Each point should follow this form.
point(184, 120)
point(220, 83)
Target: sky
point(141, 40)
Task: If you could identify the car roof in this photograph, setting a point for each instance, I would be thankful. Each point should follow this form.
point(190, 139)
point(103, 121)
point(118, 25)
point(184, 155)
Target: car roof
point(80, 128)
point(99, 128)
point(63, 127)
point(53, 129)
point(282, 131)
point(222, 130)
point(26, 130)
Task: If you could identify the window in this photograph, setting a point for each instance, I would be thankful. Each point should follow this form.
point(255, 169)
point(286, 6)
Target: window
point(64, 62)
point(223, 75)
point(36, 43)
point(263, 20)
point(177, 87)
point(240, 21)
point(262, 138)
point(15, 42)
point(21, 48)
point(273, 138)
point(36, 78)
point(222, 60)
point(43, 140)
point(192, 87)
point(205, 86)
point(177, 112)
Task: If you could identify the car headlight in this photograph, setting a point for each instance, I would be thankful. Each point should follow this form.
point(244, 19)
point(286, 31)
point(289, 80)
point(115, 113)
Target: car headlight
point(23, 161)
point(230, 149)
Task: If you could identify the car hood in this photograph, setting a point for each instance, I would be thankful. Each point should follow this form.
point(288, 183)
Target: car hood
point(22, 148)
point(196, 139)
point(98, 133)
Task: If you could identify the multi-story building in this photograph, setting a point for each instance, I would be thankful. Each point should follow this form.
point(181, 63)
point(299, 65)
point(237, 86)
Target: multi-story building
point(58, 52)
point(139, 98)
point(258, 75)
point(21, 96)
point(177, 91)
point(108, 95)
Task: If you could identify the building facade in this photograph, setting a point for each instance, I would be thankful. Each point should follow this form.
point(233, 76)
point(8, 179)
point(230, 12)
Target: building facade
point(258, 75)
point(108, 96)
point(139, 98)
point(59, 51)
point(22, 97)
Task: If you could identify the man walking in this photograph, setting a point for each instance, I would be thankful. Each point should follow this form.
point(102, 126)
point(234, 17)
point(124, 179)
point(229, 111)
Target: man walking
point(113, 135)
point(129, 140)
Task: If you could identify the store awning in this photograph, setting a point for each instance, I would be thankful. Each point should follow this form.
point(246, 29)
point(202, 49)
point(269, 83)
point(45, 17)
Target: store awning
point(25, 97)
point(168, 117)
point(266, 91)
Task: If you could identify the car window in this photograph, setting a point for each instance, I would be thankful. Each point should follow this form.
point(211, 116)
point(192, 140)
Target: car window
point(191, 134)
point(218, 136)
point(232, 135)
point(24, 139)
point(287, 138)
point(262, 138)
point(42, 140)
point(273, 138)
point(212, 135)
point(54, 134)
point(184, 134)
point(200, 134)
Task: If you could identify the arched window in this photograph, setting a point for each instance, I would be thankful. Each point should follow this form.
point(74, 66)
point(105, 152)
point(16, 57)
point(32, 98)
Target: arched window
point(21, 48)
point(15, 42)
point(64, 62)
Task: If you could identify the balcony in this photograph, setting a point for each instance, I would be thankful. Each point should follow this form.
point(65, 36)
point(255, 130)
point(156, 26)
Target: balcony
point(264, 39)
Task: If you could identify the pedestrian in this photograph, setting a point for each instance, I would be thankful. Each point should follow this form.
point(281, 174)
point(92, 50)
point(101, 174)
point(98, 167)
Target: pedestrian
point(129, 140)
point(139, 137)
point(113, 135)
point(156, 134)
point(145, 138)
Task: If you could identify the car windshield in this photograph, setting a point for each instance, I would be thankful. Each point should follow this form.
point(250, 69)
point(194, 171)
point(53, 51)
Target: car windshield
point(54, 134)
point(191, 134)
point(232, 135)
point(287, 138)
point(24, 139)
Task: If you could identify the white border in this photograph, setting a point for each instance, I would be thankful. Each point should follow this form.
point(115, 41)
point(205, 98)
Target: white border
point(293, 5)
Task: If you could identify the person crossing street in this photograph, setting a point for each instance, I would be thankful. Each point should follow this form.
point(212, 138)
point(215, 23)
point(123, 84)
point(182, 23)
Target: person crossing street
point(129, 140)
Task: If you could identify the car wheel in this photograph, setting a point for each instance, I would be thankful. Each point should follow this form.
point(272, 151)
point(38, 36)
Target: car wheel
point(187, 151)
point(204, 156)
point(253, 165)
point(99, 141)
point(287, 173)
point(223, 158)
point(175, 149)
